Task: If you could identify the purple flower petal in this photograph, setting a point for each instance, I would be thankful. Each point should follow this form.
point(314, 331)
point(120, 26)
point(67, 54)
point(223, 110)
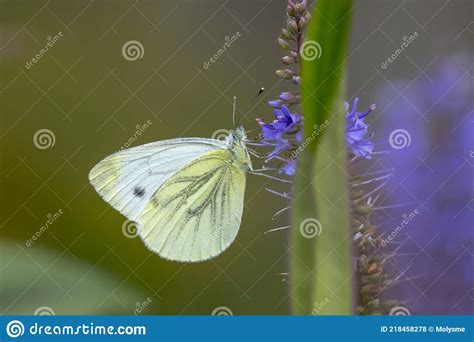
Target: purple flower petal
point(289, 169)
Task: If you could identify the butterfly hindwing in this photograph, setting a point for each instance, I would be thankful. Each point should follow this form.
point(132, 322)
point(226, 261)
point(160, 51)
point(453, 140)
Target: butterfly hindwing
point(195, 214)
point(129, 178)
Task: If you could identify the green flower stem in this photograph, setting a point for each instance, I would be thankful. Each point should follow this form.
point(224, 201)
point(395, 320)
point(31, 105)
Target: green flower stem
point(320, 276)
point(333, 286)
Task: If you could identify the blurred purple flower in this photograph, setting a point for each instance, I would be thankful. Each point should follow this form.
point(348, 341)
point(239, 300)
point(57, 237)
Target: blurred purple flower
point(434, 173)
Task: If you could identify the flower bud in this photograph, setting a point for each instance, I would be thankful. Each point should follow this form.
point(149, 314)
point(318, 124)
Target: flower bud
point(303, 23)
point(363, 209)
point(299, 8)
point(373, 303)
point(285, 73)
point(275, 103)
point(357, 194)
point(290, 9)
point(286, 96)
point(286, 34)
point(283, 44)
point(296, 80)
point(288, 60)
point(292, 26)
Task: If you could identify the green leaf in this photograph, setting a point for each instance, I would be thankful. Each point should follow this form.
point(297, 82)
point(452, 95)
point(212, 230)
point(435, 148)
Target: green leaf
point(321, 77)
point(320, 86)
point(333, 287)
point(34, 278)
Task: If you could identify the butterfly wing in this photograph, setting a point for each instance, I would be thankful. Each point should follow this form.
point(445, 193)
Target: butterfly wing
point(129, 178)
point(195, 214)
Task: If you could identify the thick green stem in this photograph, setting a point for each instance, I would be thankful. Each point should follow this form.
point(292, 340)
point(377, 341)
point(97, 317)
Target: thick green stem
point(333, 286)
point(313, 221)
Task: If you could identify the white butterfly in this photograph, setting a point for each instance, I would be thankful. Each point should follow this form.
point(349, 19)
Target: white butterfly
point(185, 194)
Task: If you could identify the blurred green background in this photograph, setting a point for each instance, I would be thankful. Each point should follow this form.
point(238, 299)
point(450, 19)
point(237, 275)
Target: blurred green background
point(91, 98)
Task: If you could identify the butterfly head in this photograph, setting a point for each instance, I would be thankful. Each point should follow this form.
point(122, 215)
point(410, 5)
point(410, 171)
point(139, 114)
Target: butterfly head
point(236, 144)
point(238, 134)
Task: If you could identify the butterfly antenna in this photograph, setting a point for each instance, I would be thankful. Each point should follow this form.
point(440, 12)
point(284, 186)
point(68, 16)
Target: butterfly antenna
point(261, 90)
point(233, 111)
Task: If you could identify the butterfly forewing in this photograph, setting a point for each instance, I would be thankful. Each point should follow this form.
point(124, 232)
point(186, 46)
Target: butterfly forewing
point(129, 178)
point(195, 214)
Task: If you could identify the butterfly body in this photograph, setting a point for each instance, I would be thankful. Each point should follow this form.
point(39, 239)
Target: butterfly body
point(185, 194)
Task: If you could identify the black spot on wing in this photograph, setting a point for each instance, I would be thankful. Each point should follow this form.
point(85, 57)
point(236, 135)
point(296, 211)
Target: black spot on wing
point(139, 191)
